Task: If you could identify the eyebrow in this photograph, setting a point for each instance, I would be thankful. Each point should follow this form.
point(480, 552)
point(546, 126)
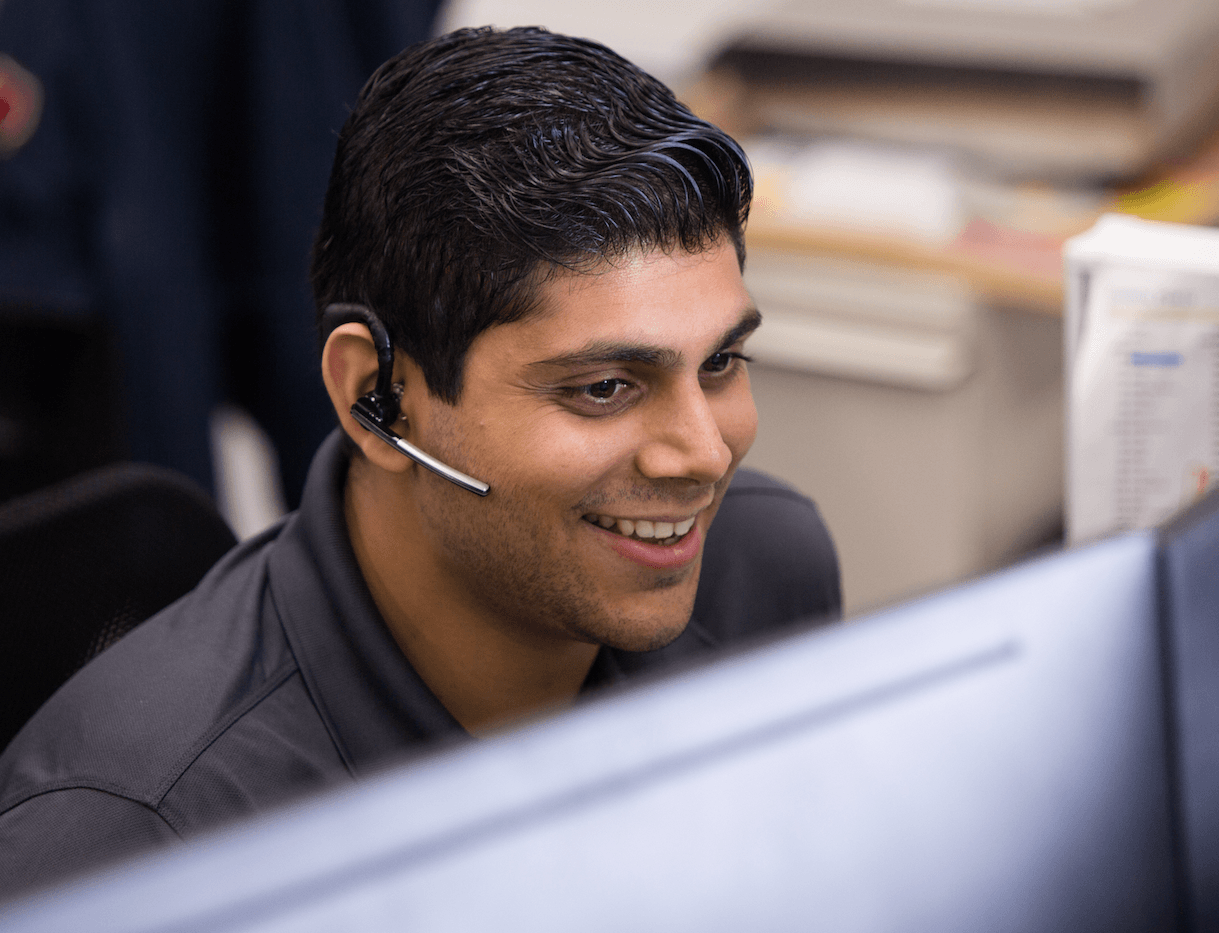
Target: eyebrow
point(604, 352)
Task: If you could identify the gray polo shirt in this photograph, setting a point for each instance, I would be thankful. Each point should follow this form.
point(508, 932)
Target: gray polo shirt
point(277, 677)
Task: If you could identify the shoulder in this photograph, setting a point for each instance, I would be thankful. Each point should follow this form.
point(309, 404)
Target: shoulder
point(59, 833)
point(769, 560)
point(760, 509)
point(197, 716)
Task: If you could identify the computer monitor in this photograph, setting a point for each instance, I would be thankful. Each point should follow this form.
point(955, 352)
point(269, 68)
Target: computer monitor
point(1190, 572)
point(990, 758)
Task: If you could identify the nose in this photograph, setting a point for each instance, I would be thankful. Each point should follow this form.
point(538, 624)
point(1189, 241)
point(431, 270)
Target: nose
point(684, 438)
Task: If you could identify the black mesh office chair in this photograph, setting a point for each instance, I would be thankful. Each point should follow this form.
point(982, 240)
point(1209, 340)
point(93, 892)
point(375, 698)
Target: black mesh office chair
point(85, 561)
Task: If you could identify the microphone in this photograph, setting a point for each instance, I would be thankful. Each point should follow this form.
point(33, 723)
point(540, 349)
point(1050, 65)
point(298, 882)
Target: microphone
point(378, 410)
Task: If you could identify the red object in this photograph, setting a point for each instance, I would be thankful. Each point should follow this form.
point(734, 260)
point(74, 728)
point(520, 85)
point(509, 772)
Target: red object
point(20, 105)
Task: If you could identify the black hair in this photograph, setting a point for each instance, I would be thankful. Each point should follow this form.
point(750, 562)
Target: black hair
point(477, 164)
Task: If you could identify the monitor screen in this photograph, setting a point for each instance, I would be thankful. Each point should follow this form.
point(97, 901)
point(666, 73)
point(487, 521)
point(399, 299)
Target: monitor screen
point(989, 758)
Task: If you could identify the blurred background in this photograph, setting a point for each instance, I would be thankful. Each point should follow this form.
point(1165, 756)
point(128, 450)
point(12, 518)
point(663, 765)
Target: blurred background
point(919, 165)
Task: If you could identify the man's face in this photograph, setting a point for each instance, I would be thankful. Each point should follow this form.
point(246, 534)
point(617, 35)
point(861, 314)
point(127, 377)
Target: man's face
point(621, 404)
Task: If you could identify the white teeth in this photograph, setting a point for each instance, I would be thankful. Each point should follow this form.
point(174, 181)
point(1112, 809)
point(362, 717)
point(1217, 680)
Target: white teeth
point(645, 529)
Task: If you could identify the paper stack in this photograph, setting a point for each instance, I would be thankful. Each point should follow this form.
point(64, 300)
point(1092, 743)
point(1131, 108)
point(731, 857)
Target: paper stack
point(1142, 365)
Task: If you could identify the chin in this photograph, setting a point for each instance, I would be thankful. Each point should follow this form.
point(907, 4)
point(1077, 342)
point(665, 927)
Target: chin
point(651, 620)
point(645, 635)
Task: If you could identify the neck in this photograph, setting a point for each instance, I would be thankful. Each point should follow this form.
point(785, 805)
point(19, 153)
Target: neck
point(486, 673)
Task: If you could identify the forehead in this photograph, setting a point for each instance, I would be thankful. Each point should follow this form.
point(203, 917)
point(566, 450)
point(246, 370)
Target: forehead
point(677, 300)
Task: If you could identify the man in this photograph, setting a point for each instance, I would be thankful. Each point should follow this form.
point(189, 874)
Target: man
point(554, 247)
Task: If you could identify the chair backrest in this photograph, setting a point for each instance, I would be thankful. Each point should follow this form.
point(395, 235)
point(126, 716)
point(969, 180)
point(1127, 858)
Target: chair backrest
point(85, 561)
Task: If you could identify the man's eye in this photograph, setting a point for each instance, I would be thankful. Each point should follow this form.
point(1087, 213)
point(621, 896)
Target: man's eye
point(604, 390)
point(603, 397)
point(720, 362)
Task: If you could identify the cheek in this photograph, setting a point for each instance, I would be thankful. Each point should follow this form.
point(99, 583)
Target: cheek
point(737, 418)
point(563, 456)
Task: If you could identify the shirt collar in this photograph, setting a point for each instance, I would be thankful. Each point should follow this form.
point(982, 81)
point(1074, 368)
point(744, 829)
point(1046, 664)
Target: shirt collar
point(369, 696)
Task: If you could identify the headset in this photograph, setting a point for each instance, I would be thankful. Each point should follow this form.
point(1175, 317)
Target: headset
point(379, 410)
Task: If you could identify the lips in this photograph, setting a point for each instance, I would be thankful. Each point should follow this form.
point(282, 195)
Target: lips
point(638, 540)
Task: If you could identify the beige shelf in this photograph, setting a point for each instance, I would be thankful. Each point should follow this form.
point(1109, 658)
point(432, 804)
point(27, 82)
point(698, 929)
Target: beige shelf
point(996, 283)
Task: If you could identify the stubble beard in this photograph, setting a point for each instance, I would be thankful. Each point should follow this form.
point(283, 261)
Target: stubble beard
point(521, 579)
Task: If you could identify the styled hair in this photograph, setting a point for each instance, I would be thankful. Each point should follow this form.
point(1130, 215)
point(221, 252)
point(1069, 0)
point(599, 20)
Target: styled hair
point(478, 164)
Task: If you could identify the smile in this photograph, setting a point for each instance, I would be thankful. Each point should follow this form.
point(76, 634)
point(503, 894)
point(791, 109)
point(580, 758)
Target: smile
point(665, 533)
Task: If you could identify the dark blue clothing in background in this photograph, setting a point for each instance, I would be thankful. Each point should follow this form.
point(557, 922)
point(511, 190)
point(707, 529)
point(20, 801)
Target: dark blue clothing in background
point(173, 187)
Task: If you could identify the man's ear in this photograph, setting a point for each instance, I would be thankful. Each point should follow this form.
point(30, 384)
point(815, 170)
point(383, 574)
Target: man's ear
point(349, 370)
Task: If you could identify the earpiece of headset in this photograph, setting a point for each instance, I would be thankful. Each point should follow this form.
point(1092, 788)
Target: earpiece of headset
point(379, 411)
